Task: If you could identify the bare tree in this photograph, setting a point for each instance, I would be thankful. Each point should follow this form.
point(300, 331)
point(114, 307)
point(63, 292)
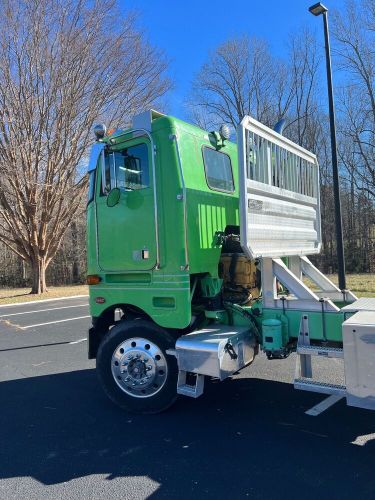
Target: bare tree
point(240, 77)
point(303, 117)
point(354, 32)
point(63, 65)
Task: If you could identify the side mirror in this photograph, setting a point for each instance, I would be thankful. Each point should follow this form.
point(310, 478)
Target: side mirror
point(113, 197)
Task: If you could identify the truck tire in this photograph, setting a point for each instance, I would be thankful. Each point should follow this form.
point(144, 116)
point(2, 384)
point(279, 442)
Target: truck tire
point(134, 369)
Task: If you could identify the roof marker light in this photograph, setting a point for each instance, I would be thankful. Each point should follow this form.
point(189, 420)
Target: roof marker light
point(224, 131)
point(99, 130)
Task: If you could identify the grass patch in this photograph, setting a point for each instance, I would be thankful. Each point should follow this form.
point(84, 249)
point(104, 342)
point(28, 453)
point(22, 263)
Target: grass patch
point(16, 295)
point(362, 285)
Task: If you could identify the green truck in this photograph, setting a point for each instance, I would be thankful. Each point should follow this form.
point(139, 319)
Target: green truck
point(197, 261)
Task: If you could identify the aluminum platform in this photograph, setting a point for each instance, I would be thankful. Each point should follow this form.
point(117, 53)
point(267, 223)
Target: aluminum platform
point(359, 357)
point(362, 304)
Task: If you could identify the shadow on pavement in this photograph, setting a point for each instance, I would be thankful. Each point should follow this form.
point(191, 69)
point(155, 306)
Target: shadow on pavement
point(244, 437)
point(25, 294)
point(22, 348)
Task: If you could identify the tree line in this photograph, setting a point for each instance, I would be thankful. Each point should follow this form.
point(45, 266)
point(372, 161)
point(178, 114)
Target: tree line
point(65, 65)
point(242, 76)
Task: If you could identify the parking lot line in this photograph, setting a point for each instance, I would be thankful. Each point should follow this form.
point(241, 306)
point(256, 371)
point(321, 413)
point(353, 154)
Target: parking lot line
point(41, 301)
point(42, 310)
point(53, 322)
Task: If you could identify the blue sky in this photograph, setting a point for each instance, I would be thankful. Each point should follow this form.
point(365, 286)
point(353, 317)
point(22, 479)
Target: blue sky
point(187, 31)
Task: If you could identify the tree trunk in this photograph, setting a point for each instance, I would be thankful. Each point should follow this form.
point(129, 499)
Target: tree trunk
point(38, 270)
point(75, 267)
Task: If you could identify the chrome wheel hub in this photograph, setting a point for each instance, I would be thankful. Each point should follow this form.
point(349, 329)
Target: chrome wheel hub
point(139, 367)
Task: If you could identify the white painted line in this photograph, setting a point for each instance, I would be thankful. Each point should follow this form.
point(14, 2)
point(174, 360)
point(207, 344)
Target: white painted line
point(41, 301)
point(324, 405)
point(42, 310)
point(77, 341)
point(53, 322)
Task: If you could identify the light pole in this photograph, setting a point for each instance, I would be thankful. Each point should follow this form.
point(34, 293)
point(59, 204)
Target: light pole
point(318, 9)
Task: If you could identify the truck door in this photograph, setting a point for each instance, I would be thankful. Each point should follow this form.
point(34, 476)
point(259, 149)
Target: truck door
point(125, 209)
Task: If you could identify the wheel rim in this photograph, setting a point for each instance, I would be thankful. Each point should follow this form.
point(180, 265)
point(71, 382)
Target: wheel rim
point(139, 367)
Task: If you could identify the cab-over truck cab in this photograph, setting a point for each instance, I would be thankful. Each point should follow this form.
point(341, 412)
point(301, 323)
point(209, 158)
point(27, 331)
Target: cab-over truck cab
point(162, 196)
point(197, 249)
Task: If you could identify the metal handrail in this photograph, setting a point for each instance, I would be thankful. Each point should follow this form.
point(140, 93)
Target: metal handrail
point(279, 194)
point(274, 160)
point(174, 138)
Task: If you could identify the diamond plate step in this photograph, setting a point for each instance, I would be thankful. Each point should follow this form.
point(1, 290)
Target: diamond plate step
point(324, 352)
point(321, 387)
point(193, 391)
point(187, 390)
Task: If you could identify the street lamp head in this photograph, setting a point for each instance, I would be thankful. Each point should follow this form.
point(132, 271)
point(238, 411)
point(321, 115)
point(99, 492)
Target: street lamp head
point(317, 9)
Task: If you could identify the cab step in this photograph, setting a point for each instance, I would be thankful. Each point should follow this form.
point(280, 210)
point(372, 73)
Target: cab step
point(193, 391)
point(321, 387)
point(322, 351)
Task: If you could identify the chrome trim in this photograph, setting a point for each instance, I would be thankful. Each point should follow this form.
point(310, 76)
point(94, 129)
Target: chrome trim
point(209, 351)
point(139, 367)
point(102, 166)
point(102, 183)
point(96, 233)
point(112, 169)
point(174, 138)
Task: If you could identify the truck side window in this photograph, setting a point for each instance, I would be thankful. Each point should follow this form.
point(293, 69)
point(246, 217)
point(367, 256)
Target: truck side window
point(127, 169)
point(218, 170)
point(131, 167)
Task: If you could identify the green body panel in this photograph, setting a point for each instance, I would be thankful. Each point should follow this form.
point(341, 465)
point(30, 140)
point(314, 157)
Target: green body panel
point(208, 211)
point(126, 228)
point(333, 323)
point(272, 334)
point(117, 235)
point(165, 300)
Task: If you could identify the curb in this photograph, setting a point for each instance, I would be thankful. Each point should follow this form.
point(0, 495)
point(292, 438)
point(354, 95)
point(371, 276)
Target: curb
point(41, 301)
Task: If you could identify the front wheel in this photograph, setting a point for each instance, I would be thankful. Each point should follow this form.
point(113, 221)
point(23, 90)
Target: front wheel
point(134, 369)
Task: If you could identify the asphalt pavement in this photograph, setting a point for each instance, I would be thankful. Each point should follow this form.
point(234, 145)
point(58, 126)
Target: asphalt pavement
point(248, 437)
